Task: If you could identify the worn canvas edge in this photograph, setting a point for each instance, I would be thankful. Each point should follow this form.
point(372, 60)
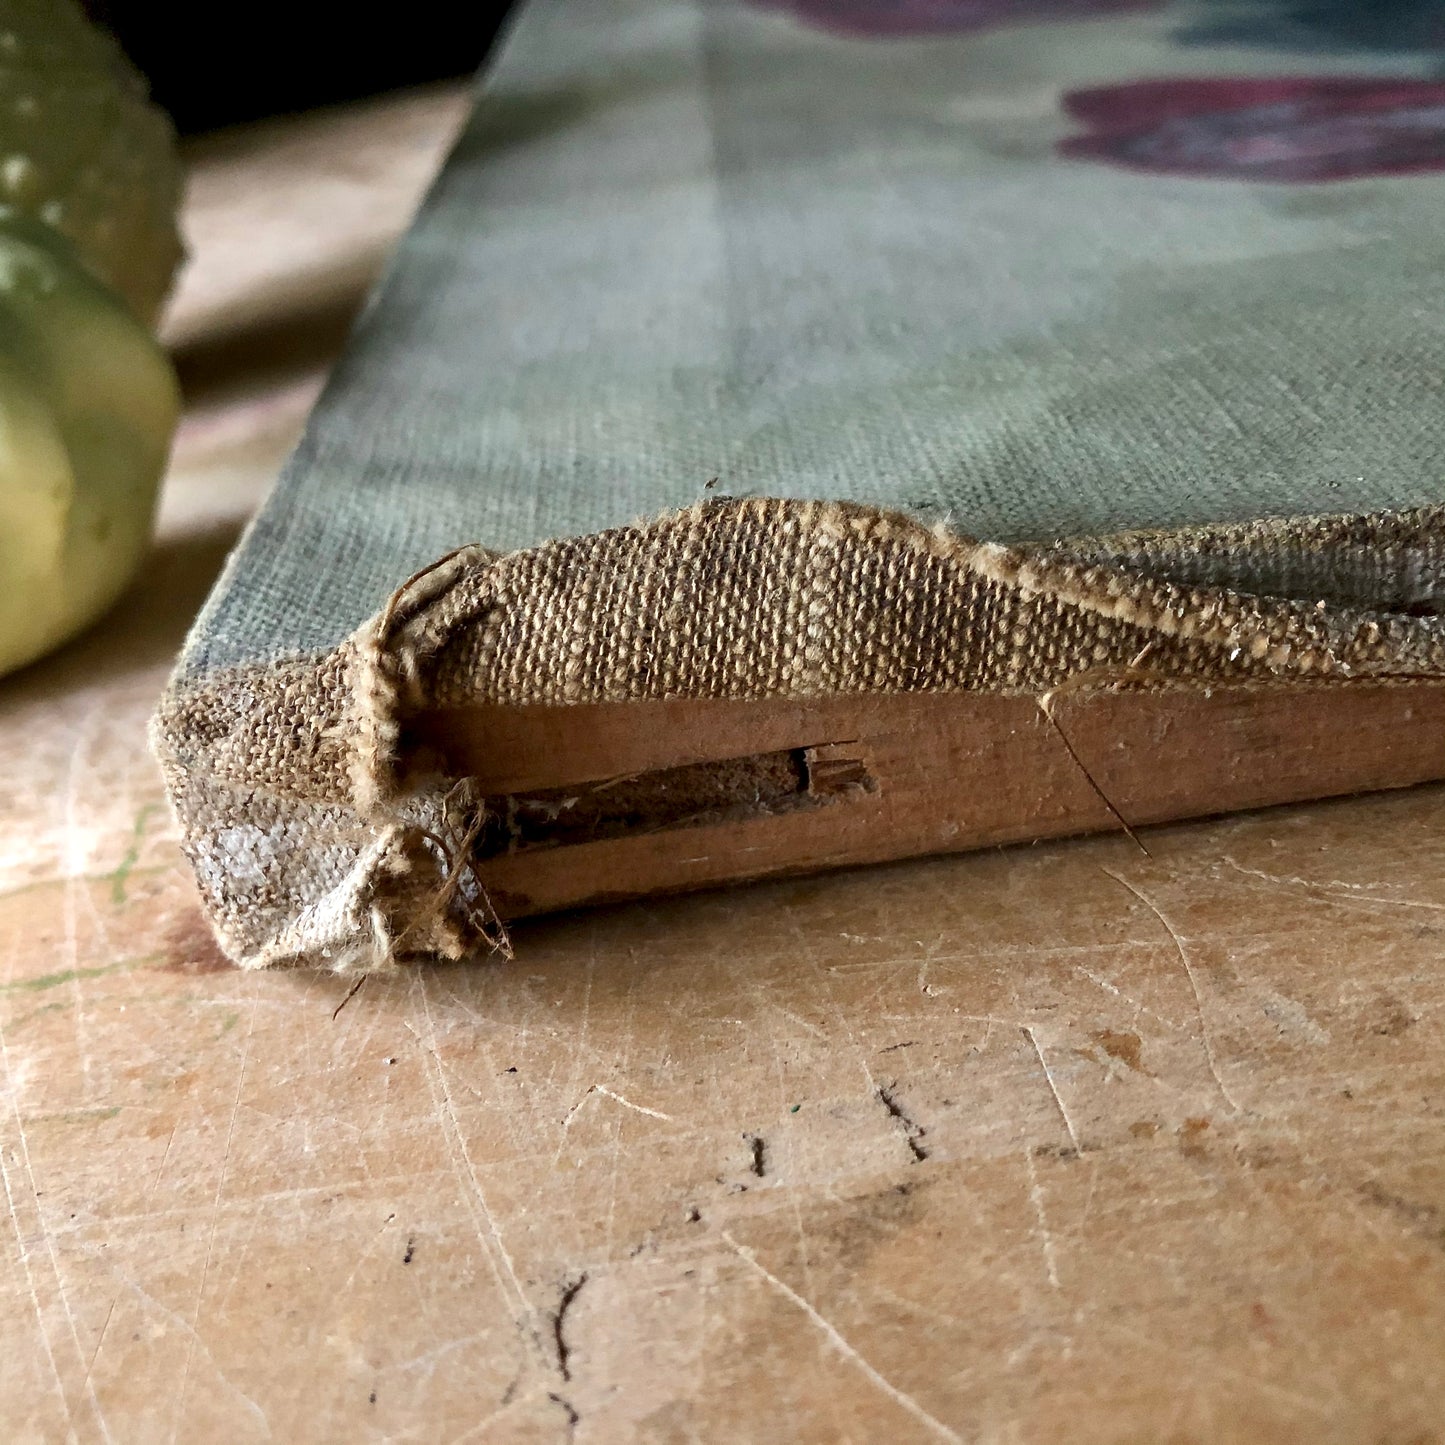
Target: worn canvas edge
point(317, 838)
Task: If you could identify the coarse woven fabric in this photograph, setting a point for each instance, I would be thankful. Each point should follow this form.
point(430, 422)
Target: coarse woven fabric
point(864, 283)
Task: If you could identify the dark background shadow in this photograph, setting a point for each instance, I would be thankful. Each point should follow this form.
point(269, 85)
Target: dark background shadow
point(213, 66)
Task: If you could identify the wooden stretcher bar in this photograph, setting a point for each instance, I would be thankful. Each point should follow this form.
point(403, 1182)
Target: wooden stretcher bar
point(594, 803)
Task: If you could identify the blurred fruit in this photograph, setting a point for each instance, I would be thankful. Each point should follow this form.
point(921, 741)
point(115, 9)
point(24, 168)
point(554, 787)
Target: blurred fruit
point(88, 403)
point(84, 151)
point(89, 185)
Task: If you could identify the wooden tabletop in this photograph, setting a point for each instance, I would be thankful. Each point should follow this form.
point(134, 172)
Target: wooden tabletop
point(1058, 1143)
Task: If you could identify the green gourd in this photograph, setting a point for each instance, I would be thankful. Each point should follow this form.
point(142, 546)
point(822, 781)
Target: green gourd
point(89, 183)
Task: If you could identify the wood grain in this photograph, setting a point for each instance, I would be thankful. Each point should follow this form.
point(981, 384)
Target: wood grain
point(921, 774)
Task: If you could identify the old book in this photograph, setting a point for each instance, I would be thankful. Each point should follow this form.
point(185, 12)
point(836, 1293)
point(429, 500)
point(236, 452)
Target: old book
point(814, 433)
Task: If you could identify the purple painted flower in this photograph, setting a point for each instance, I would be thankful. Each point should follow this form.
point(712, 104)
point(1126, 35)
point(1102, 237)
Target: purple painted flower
point(1291, 128)
point(888, 18)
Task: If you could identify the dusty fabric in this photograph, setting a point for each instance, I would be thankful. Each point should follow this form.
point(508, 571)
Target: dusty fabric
point(896, 278)
point(314, 836)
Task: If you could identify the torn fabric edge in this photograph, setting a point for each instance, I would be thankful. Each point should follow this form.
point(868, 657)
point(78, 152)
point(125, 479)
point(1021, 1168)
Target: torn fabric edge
point(317, 838)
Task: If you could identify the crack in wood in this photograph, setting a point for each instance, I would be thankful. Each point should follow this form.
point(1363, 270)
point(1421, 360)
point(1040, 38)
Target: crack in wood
point(694, 795)
point(757, 1154)
point(570, 1291)
point(913, 1131)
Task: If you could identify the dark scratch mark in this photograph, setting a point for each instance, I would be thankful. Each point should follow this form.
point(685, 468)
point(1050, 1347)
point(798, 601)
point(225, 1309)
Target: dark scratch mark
point(912, 1131)
point(351, 994)
point(572, 1416)
point(758, 1150)
point(410, 1251)
point(906, 1044)
point(570, 1291)
point(1066, 1152)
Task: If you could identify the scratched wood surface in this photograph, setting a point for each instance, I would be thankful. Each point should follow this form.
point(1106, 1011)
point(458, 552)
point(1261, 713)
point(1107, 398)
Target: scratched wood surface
point(1057, 1143)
